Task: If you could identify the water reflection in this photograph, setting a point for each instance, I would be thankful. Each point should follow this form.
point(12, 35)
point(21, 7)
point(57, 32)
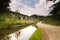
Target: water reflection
point(23, 34)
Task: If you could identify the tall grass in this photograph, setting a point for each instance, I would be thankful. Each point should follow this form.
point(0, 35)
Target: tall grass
point(9, 18)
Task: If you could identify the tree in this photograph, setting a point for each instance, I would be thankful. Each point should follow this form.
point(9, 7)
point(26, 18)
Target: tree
point(4, 4)
point(56, 11)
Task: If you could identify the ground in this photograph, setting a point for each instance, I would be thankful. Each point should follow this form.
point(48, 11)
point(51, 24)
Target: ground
point(50, 32)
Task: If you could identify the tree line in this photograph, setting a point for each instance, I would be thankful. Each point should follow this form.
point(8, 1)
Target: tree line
point(4, 4)
point(56, 11)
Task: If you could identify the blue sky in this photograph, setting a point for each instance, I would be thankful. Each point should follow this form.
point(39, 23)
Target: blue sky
point(30, 3)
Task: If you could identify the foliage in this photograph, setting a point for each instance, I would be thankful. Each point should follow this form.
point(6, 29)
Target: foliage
point(3, 5)
point(51, 20)
point(56, 11)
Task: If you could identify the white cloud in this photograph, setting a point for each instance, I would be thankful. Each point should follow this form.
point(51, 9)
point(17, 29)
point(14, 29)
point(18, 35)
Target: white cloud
point(23, 9)
point(42, 8)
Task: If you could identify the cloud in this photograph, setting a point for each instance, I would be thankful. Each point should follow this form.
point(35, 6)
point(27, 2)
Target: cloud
point(42, 8)
point(23, 9)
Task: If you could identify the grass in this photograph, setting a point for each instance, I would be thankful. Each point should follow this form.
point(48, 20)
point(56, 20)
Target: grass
point(37, 35)
point(51, 21)
point(8, 18)
point(7, 23)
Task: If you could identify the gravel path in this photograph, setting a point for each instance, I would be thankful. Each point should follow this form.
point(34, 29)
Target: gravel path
point(50, 32)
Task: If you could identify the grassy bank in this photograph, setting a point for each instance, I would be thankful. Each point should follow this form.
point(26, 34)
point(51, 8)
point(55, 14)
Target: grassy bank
point(7, 31)
point(37, 35)
point(5, 24)
point(10, 18)
point(51, 21)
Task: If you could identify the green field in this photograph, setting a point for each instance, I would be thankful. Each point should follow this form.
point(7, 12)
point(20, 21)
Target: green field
point(37, 35)
point(10, 18)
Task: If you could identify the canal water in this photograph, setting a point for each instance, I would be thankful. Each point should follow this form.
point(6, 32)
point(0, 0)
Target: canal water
point(23, 34)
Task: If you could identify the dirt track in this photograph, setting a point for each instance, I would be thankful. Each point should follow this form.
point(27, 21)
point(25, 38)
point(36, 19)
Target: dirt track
point(50, 32)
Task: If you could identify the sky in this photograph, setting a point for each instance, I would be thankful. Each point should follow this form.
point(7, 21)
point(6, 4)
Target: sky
point(30, 7)
point(30, 3)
